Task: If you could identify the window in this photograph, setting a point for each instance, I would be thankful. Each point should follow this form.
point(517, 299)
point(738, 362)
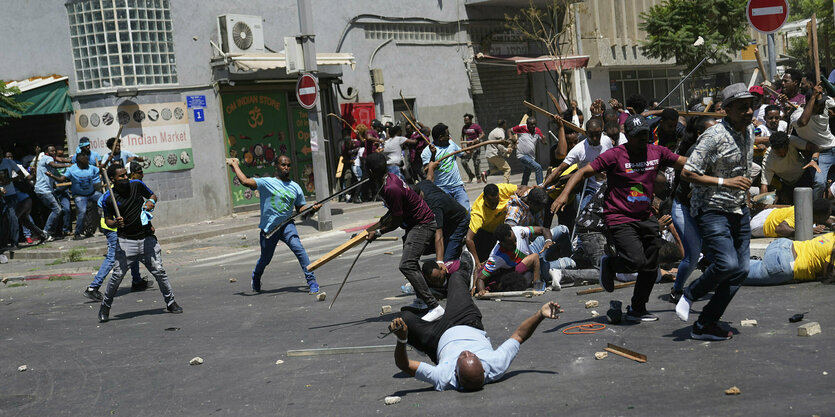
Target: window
point(411, 32)
point(118, 43)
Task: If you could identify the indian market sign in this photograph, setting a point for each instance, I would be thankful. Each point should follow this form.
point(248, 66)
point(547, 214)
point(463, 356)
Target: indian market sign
point(159, 132)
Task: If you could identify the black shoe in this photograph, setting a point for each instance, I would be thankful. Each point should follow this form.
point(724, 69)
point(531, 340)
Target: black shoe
point(615, 314)
point(174, 308)
point(93, 294)
point(632, 315)
point(104, 313)
point(607, 276)
point(710, 331)
point(142, 285)
point(78, 237)
point(675, 295)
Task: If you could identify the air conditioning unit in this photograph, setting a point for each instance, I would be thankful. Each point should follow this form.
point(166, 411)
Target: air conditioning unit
point(240, 34)
point(377, 84)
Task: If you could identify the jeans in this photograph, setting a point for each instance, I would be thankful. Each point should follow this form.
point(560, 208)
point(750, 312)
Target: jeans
point(725, 240)
point(48, 200)
point(530, 165)
point(290, 236)
point(147, 251)
point(10, 202)
point(415, 243)
point(556, 253)
point(637, 244)
point(395, 169)
point(459, 194)
point(81, 206)
point(455, 243)
point(825, 161)
point(776, 267)
point(688, 231)
point(110, 261)
point(589, 189)
point(63, 198)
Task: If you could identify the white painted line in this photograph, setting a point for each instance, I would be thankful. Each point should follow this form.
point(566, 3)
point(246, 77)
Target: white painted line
point(765, 11)
point(307, 90)
point(226, 255)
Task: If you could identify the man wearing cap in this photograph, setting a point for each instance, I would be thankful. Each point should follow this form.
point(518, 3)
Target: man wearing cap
point(631, 227)
point(84, 146)
point(812, 125)
point(720, 170)
point(447, 176)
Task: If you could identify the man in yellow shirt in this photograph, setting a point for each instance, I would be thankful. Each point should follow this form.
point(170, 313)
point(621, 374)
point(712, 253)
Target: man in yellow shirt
point(487, 212)
point(785, 261)
point(779, 222)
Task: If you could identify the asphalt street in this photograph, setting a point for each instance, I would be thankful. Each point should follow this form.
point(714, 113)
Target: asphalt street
point(138, 363)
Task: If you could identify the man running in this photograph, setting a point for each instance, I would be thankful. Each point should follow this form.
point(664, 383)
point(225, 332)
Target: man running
point(278, 198)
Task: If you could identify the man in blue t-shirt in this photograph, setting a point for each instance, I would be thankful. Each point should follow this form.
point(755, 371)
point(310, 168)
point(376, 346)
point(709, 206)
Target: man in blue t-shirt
point(46, 173)
point(279, 196)
point(85, 188)
point(447, 176)
point(117, 155)
point(84, 146)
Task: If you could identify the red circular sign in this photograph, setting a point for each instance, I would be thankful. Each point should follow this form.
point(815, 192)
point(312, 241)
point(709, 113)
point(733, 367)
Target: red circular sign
point(767, 15)
point(307, 90)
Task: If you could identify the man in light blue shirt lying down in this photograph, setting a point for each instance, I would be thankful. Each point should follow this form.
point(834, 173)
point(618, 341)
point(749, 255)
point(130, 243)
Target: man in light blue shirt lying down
point(457, 343)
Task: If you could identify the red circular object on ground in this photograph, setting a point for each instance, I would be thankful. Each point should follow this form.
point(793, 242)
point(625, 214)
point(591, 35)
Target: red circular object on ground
point(307, 90)
point(767, 15)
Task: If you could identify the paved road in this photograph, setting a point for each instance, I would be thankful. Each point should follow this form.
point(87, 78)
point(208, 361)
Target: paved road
point(133, 365)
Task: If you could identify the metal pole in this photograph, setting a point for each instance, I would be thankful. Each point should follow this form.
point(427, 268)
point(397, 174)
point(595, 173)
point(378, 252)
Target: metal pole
point(682, 81)
point(772, 58)
point(802, 213)
point(317, 139)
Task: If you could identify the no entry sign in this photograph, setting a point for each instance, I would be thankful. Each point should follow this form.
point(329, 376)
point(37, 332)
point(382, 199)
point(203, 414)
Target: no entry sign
point(307, 89)
point(767, 16)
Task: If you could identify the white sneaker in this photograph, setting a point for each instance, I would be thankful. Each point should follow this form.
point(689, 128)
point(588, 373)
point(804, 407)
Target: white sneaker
point(556, 276)
point(434, 314)
point(683, 308)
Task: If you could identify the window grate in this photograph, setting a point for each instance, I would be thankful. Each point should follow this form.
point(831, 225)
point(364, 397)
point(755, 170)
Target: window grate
point(118, 43)
point(411, 32)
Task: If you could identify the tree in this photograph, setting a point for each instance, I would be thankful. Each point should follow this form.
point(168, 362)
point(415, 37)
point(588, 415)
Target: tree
point(798, 47)
point(674, 25)
point(9, 106)
point(548, 25)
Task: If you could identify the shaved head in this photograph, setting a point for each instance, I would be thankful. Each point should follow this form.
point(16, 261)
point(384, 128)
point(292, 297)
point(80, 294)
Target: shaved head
point(470, 371)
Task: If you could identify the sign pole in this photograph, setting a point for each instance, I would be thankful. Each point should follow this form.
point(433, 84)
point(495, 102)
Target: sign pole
point(317, 139)
point(772, 58)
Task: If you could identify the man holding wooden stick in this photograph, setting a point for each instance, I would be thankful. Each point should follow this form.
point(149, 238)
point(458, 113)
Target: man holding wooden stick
point(279, 196)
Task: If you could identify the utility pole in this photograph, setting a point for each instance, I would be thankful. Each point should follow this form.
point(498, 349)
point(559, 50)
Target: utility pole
point(317, 139)
point(772, 57)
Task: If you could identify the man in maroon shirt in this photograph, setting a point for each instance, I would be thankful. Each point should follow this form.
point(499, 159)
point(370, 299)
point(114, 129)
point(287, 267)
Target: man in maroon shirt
point(409, 211)
point(631, 227)
point(471, 134)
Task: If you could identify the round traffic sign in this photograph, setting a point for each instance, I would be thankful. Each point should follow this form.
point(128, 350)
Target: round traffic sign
point(767, 16)
point(307, 90)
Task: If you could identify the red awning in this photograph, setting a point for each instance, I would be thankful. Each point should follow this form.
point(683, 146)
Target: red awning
point(536, 64)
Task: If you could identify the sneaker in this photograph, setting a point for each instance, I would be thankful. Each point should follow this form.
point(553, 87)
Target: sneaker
point(93, 294)
point(29, 240)
point(675, 295)
point(418, 304)
point(3, 259)
point(78, 237)
point(615, 314)
point(607, 276)
point(174, 308)
point(540, 286)
point(556, 278)
point(467, 262)
point(645, 315)
point(483, 177)
point(434, 314)
point(46, 238)
point(313, 287)
point(683, 308)
point(256, 284)
point(407, 289)
point(710, 331)
point(104, 313)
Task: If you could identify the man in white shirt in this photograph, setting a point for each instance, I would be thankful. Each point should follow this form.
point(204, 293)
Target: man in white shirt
point(457, 343)
point(582, 154)
point(393, 149)
point(496, 154)
point(812, 124)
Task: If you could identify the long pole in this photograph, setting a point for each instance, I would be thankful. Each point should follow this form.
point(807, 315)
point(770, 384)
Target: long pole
point(772, 57)
point(317, 139)
point(682, 82)
point(349, 273)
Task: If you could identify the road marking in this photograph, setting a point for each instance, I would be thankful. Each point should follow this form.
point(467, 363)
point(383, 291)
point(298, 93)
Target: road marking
point(219, 259)
point(765, 11)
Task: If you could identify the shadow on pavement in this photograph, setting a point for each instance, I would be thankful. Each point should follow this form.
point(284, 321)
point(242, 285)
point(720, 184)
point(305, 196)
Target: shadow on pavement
point(133, 314)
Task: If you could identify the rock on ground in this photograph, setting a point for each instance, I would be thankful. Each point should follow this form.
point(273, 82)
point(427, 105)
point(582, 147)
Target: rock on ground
point(196, 361)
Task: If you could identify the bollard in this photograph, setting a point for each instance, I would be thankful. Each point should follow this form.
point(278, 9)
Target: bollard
point(802, 213)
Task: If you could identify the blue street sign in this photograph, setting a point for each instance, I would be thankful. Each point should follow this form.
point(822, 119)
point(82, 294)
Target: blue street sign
point(198, 115)
point(196, 102)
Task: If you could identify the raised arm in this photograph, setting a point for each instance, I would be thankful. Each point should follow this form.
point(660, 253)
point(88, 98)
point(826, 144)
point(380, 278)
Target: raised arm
point(575, 179)
point(246, 181)
point(401, 356)
point(550, 310)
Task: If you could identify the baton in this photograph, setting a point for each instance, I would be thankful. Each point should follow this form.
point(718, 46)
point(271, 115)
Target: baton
point(310, 209)
point(349, 273)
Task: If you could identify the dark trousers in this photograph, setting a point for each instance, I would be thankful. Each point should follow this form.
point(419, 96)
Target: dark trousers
point(785, 190)
point(415, 243)
point(725, 239)
point(460, 311)
point(484, 242)
point(636, 245)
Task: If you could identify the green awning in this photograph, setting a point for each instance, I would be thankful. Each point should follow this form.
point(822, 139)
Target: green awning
point(50, 99)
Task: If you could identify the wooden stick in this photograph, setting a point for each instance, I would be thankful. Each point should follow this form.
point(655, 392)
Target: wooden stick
point(342, 350)
point(344, 121)
point(339, 250)
point(572, 126)
point(63, 184)
point(509, 294)
point(760, 64)
point(626, 353)
point(112, 197)
point(345, 280)
point(600, 289)
point(469, 148)
point(416, 128)
point(702, 113)
point(407, 105)
point(776, 94)
point(813, 46)
point(556, 103)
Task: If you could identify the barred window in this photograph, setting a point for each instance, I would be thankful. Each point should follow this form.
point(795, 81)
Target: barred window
point(411, 32)
point(118, 43)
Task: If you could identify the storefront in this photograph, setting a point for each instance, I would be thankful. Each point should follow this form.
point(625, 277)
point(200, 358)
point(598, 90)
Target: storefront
point(45, 119)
